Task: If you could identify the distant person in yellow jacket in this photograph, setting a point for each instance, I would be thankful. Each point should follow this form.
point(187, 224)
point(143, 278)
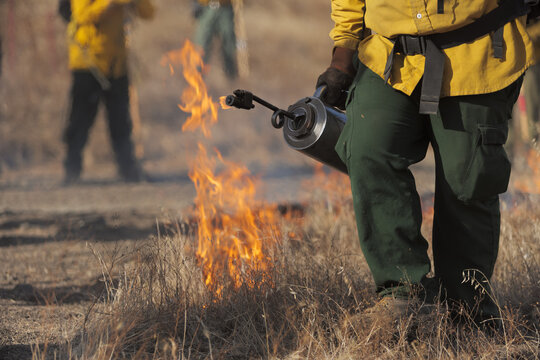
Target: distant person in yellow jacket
point(98, 61)
point(216, 20)
point(531, 85)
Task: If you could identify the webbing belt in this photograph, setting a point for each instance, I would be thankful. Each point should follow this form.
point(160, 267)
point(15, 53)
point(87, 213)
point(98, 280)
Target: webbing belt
point(431, 47)
point(440, 6)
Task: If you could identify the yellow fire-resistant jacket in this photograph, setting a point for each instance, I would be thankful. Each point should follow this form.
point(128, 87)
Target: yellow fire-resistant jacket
point(469, 69)
point(96, 34)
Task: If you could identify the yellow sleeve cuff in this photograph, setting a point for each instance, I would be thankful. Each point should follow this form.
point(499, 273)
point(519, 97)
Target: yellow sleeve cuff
point(347, 43)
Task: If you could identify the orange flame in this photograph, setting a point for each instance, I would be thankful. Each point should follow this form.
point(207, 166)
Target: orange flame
point(194, 99)
point(223, 104)
point(428, 213)
point(231, 235)
point(235, 234)
point(532, 184)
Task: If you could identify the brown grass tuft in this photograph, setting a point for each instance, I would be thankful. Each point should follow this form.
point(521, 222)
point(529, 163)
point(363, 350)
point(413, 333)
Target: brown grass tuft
point(316, 309)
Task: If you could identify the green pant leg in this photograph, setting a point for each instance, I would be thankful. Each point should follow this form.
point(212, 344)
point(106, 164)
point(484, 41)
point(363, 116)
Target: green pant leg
point(206, 30)
point(471, 170)
point(225, 28)
point(383, 136)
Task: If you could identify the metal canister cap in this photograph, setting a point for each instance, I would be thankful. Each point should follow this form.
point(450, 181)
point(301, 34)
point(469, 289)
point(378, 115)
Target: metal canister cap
point(304, 122)
point(305, 132)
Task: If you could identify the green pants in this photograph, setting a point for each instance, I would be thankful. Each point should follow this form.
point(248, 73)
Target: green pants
point(383, 136)
point(218, 22)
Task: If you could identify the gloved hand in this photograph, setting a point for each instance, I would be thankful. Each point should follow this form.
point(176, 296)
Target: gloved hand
point(337, 78)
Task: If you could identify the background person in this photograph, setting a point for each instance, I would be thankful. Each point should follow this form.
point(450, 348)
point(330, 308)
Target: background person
point(216, 20)
point(98, 61)
point(408, 90)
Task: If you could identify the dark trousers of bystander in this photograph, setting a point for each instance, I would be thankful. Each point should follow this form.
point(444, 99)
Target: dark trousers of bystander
point(86, 95)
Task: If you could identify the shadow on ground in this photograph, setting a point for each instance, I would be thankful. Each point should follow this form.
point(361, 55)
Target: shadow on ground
point(26, 228)
point(24, 351)
point(57, 295)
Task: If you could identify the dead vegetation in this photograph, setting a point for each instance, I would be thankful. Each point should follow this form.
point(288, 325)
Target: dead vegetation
point(316, 307)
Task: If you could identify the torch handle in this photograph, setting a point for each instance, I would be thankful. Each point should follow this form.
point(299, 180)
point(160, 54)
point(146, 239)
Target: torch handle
point(319, 91)
point(243, 99)
point(265, 103)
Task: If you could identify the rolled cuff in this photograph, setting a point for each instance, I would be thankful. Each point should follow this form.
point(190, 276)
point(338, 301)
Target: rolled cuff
point(347, 43)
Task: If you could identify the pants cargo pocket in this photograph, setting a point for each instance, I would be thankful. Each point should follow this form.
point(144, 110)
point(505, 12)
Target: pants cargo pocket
point(488, 172)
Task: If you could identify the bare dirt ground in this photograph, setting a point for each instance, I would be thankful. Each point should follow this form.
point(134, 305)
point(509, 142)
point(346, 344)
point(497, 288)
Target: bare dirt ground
point(50, 237)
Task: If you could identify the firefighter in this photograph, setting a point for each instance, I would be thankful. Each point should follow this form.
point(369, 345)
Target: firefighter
point(98, 61)
point(439, 73)
point(216, 19)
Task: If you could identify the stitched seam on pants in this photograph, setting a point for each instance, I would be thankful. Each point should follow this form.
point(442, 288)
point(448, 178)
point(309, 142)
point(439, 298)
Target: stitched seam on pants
point(471, 161)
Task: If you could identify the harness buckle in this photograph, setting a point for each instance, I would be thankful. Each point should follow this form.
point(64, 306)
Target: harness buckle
point(412, 45)
point(214, 4)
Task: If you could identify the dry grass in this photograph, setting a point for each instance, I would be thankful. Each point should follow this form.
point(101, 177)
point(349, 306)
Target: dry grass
point(160, 307)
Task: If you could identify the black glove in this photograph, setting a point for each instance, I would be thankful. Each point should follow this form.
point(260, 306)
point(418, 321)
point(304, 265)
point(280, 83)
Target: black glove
point(338, 77)
point(337, 83)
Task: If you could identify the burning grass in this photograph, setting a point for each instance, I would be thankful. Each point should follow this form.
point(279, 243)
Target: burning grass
point(315, 306)
point(234, 235)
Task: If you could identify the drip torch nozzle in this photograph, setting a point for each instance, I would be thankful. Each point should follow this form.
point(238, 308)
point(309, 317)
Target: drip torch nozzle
point(241, 99)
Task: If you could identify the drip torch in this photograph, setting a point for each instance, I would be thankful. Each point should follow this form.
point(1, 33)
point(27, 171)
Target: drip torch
point(309, 125)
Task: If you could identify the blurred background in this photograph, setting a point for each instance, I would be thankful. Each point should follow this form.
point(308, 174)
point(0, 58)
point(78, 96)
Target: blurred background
point(287, 46)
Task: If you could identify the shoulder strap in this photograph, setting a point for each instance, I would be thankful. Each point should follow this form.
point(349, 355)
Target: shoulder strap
point(507, 11)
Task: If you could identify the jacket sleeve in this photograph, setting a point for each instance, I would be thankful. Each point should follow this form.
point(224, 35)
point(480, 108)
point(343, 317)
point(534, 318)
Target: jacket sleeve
point(348, 16)
point(145, 9)
point(85, 11)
